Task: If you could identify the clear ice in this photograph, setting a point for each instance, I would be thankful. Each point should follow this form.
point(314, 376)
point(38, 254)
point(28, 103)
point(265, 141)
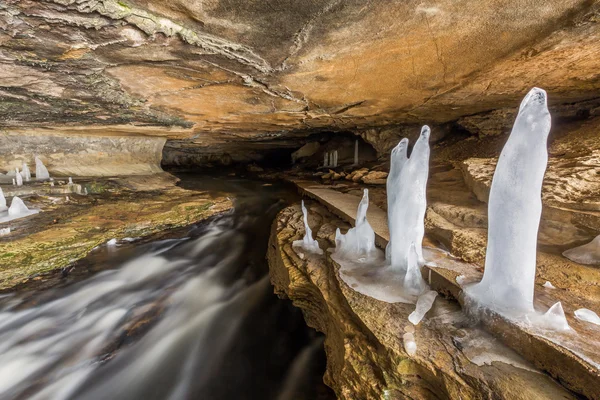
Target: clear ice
point(424, 304)
point(588, 254)
point(514, 211)
point(586, 315)
point(26, 172)
point(41, 172)
point(359, 241)
point(555, 319)
point(407, 203)
point(307, 243)
point(18, 177)
point(548, 285)
point(410, 346)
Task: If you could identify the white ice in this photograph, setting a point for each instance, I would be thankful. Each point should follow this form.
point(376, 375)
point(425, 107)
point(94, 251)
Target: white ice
point(335, 158)
point(424, 304)
point(554, 319)
point(588, 254)
point(17, 209)
point(325, 159)
point(41, 172)
point(307, 243)
point(548, 285)
point(407, 184)
point(514, 211)
point(410, 346)
point(4, 231)
point(397, 160)
point(26, 172)
point(18, 177)
point(2, 201)
point(358, 242)
point(70, 181)
point(586, 315)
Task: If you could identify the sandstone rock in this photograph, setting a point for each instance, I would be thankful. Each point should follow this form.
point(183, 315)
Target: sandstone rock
point(254, 168)
point(375, 178)
point(306, 151)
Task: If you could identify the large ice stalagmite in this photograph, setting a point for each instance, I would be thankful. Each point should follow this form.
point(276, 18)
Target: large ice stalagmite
point(514, 210)
point(407, 209)
point(307, 243)
point(2, 201)
point(360, 240)
point(41, 172)
point(397, 161)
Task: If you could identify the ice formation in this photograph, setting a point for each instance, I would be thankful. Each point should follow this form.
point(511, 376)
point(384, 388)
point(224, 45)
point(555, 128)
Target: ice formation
point(26, 172)
point(397, 160)
point(41, 172)
point(307, 243)
point(14, 182)
point(17, 207)
point(326, 159)
point(406, 200)
point(335, 158)
point(4, 231)
point(360, 240)
point(514, 210)
point(356, 152)
point(18, 177)
point(424, 304)
point(548, 285)
point(555, 318)
point(410, 346)
point(413, 280)
point(2, 201)
point(588, 254)
point(70, 181)
point(586, 315)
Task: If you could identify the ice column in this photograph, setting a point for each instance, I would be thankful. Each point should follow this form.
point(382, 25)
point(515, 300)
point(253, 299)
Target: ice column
point(407, 184)
point(514, 210)
point(360, 240)
point(335, 158)
point(26, 172)
point(2, 201)
point(41, 172)
point(397, 160)
point(18, 177)
point(356, 152)
point(326, 159)
point(307, 242)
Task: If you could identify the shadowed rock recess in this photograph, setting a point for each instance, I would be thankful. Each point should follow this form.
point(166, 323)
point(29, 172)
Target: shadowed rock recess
point(113, 91)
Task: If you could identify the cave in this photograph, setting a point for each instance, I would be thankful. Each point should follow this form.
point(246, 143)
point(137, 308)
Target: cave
point(236, 199)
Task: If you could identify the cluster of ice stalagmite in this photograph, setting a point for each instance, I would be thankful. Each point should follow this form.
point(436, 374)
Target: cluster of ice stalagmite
point(307, 243)
point(330, 159)
point(41, 172)
point(588, 254)
point(406, 186)
point(360, 240)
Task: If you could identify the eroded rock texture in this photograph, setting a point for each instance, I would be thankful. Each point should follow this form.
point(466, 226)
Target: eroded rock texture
point(237, 76)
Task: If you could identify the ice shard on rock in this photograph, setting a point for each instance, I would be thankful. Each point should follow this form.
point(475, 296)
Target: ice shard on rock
point(2, 201)
point(514, 210)
point(555, 319)
point(41, 172)
point(307, 243)
point(17, 207)
point(397, 161)
point(26, 172)
point(586, 315)
point(424, 304)
point(360, 240)
point(18, 177)
point(406, 191)
point(588, 254)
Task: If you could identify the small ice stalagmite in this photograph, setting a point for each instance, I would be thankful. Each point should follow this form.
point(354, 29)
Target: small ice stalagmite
point(307, 243)
point(17, 207)
point(14, 182)
point(70, 181)
point(26, 172)
point(588, 254)
point(407, 212)
point(325, 159)
point(586, 315)
point(335, 158)
point(2, 201)
point(424, 304)
point(356, 152)
point(18, 177)
point(397, 161)
point(555, 319)
point(360, 240)
point(41, 172)
point(514, 210)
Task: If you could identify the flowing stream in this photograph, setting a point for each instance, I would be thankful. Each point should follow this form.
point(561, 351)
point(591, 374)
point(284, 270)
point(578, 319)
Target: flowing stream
point(193, 317)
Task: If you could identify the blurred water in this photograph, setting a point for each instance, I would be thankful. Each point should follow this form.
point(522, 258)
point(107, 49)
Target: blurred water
point(189, 318)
